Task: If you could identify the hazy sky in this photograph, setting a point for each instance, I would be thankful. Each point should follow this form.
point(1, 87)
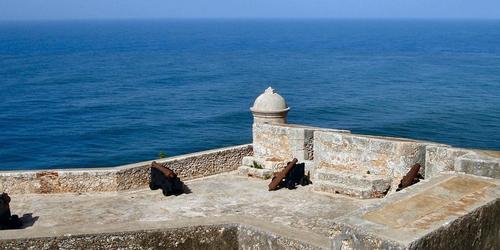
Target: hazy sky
point(114, 9)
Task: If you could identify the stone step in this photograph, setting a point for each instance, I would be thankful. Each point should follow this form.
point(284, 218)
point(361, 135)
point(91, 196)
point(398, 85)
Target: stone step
point(368, 181)
point(333, 188)
point(262, 173)
point(352, 184)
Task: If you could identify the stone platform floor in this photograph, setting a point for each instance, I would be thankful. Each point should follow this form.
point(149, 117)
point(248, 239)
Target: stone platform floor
point(223, 198)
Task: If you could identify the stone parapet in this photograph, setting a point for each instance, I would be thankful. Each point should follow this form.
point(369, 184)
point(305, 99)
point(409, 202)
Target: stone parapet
point(232, 235)
point(355, 156)
point(132, 176)
point(361, 155)
point(481, 163)
point(442, 158)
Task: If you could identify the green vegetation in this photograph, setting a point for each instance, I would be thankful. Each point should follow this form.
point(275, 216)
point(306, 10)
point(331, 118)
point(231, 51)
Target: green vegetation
point(256, 165)
point(162, 155)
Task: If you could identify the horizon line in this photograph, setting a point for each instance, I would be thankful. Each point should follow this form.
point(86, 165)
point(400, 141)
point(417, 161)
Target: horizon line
point(254, 18)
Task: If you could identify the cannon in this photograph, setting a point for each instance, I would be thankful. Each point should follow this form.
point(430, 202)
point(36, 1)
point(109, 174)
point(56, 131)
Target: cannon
point(166, 179)
point(292, 175)
point(7, 220)
point(410, 178)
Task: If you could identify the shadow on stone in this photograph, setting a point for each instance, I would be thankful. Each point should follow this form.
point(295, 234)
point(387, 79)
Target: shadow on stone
point(186, 189)
point(12, 221)
point(28, 220)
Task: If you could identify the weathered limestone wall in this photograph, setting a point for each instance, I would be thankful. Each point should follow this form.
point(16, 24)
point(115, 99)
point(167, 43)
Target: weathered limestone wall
point(359, 154)
point(358, 165)
point(57, 181)
point(283, 142)
point(442, 158)
point(481, 163)
point(193, 237)
point(125, 177)
point(250, 237)
point(229, 236)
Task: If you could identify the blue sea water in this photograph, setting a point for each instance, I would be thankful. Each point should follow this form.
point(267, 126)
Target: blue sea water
point(104, 93)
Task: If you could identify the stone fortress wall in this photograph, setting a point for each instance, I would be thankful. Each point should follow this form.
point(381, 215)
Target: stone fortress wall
point(340, 151)
point(455, 207)
point(363, 166)
point(132, 176)
point(273, 145)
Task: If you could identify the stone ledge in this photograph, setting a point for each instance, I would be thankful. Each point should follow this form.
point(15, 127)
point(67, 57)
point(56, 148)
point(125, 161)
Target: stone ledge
point(220, 233)
point(255, 172)
point(364, 186)
point(478, 163)
point(443, 158)
point(125, 177)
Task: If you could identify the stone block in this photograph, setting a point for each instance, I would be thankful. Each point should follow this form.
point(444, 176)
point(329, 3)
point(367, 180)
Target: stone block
point(255, 238)
point(376, 182)
point(255, 172)
point(360, 154)
point(284, 141)
point(247, 161)
point(357, 185)
point(479, 163)
point(441, 158)
point(273, 164)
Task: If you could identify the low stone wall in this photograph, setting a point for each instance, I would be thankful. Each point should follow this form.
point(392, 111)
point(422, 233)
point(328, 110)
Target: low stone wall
point(442, 158)
point(193, 237)
point(58, 181)
point(227, 236)
point(250, 237)
point(339, 153)
point(481, 163)
point(125, 177)
point(359, 154)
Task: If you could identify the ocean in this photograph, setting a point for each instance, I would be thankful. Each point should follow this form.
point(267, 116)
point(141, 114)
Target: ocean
point(77, 94)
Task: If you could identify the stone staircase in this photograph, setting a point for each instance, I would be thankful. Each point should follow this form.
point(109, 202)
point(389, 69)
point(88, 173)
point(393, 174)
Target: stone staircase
point(353, 184)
